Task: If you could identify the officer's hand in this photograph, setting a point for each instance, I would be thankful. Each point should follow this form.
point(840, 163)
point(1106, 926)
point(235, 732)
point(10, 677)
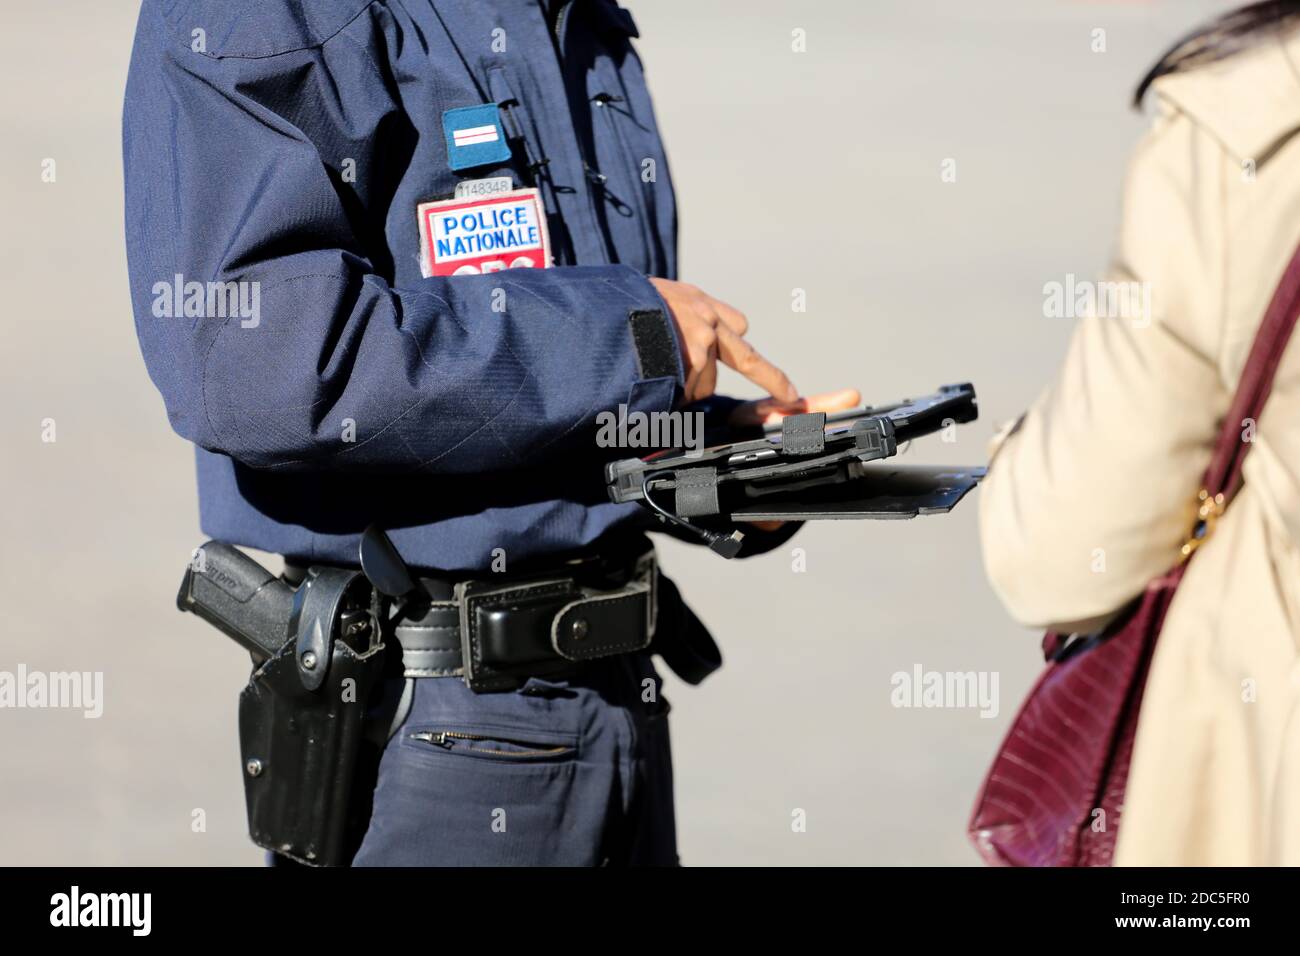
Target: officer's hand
point(710, 330)
point(768, 411)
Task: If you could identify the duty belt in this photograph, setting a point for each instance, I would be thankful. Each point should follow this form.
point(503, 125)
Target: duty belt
point(323, 638)
point(496, 634)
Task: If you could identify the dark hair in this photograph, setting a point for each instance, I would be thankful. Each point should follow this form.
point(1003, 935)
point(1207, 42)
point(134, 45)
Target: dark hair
point(1225, 36)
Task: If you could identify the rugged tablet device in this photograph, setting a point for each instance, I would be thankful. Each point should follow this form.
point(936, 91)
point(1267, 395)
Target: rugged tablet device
point(807, 467)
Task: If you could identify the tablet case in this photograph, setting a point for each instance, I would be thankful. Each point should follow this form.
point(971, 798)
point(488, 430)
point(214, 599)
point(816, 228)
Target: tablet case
point(810, 467)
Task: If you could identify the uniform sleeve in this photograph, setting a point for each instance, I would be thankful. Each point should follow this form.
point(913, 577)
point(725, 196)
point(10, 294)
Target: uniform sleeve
point(1089, 496)
point(232, 177)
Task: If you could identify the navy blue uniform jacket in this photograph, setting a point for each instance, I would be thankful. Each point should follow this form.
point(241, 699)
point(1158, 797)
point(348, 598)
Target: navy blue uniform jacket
point(285, 144)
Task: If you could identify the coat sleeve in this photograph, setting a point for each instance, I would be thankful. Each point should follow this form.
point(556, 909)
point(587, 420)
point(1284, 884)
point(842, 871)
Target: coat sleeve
point(1090, 496)
point(232, 176)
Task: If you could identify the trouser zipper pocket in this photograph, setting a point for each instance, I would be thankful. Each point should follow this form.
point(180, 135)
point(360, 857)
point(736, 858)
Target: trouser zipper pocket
point(490, 746)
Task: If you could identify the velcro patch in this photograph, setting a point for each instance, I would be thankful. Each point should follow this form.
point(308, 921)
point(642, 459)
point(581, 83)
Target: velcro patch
point(487, 234)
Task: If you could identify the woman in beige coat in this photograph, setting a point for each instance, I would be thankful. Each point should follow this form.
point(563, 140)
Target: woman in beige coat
point(1091, 494)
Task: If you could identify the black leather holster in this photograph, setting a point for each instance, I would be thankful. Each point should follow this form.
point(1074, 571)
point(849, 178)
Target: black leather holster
point(317, 654)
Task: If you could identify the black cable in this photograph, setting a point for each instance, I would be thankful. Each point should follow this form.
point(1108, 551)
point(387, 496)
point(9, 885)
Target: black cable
point(726, 545)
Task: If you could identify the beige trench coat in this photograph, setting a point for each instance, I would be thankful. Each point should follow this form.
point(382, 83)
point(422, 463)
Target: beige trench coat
point(1091, 497)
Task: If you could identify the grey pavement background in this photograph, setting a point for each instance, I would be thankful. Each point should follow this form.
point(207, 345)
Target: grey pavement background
point(818, 171)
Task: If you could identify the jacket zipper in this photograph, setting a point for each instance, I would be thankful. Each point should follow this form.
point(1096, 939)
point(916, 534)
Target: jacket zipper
point(594, 178)
point(559, 26)
point(444, 738)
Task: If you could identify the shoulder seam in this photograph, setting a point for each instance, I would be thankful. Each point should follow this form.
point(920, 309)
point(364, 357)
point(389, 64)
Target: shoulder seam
point(1208, 96)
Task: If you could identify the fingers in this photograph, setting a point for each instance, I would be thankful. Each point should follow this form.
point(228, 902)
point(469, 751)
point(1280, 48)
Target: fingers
point(764, 411)
point(700, 360)
point(769, 411)
point(735, 352)
point(732, 318)
point(840, 400)
point(710, 330)
point(715, 311)
point(707, 381)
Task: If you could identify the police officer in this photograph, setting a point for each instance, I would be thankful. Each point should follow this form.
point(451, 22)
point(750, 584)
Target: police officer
point(389, 260)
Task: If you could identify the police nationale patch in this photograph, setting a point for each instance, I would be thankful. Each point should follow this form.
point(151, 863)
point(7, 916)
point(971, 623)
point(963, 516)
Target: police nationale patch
point(474, 236)
point(475, 136)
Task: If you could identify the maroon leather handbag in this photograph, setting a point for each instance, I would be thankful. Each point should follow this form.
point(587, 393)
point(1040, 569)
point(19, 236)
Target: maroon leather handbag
point(1054, 794)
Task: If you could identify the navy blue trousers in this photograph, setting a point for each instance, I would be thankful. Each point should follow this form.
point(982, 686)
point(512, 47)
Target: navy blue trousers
point(567, 772)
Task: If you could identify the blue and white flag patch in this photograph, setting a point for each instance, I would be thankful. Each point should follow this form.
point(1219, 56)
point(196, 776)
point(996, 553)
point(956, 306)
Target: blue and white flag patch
point(475, 136)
